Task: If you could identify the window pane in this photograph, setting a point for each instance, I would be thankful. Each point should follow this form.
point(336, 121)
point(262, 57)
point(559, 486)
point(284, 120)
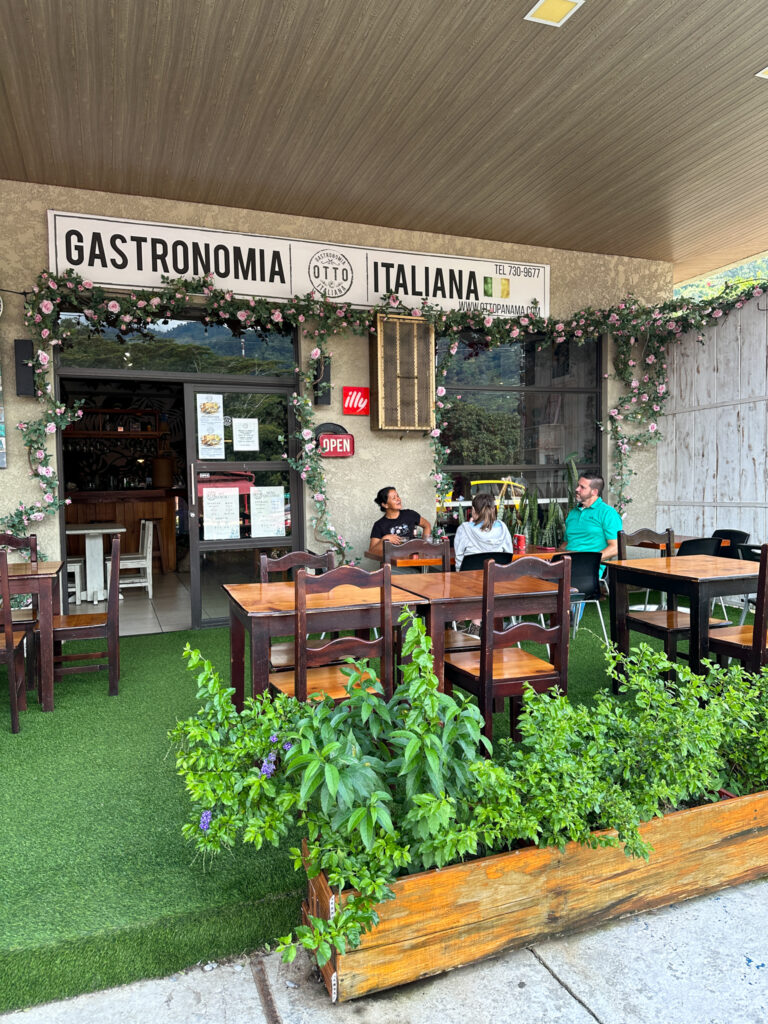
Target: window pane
point(524, 363)
point(484, 428)
point(271, 415)
point(233, 512)
point(187, 345)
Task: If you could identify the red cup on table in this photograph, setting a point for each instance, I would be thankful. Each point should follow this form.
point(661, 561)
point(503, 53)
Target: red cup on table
point(518, 542)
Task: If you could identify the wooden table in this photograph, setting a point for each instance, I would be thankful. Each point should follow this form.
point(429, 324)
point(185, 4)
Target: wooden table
point(267, 610)
point(700, 578)
point(427, 563)
point(459, 595)
point(41, 579)
point(94, 555)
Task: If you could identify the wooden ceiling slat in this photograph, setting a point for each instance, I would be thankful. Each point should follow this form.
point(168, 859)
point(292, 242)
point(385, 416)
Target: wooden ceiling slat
point(637, 129)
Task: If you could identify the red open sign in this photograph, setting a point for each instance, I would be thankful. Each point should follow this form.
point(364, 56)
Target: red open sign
point(336, 445)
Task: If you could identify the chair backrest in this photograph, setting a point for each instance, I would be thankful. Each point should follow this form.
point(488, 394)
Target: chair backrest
point(749, 552)
point(292, 561)
point(629, 540)
point(113, 594)
point(418, 549)
point(585, 573)
point(5, 597)
point(761, 611)
point(146, 548)
point(8, 540)
point(555, 636)
point(142, 535)
point(310, 657)
point(700, 546)
point(477, 561)
point(734, 538)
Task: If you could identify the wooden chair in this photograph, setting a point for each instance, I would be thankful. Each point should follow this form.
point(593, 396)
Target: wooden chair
point(317, 671)
point(750, 553)
point(747, 643)
point(418, 549)
point(499, 668)
point(665, 541)
point(667, 624)
point(138, 562)
point(98, 625)
point(455, 639)
point(12, 648)
point(281, 653)
point(25, 618)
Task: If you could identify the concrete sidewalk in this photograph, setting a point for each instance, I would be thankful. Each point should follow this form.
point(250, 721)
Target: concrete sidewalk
point(700, 962)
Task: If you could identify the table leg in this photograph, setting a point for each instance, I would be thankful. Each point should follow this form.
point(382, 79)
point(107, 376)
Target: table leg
point(699, 643)
point(259, 655)
point(436, 621)
point(94, 567)
point(618, 604)
point(237, 659)
point(45, 618)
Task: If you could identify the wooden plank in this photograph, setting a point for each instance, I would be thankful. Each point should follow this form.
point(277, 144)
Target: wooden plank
point(752, 434)
point(753, 367)
point(444, 919)
point(726, 373)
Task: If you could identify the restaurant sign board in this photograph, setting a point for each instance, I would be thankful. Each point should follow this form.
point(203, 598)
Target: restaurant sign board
point(116, 253)
point(336, 446)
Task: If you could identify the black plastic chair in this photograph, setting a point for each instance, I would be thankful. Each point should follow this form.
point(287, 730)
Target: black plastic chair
point(734, 538)
point(472, 562)
point(585, 580)
point(700, 546)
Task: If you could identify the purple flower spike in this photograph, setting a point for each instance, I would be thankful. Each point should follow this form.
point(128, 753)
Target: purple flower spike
point(287, 746)
point(274, 738)
point(205, 821)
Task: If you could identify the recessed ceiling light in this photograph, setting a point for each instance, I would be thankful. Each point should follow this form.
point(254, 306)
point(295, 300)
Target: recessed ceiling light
point(553, 12)
point(762, 74)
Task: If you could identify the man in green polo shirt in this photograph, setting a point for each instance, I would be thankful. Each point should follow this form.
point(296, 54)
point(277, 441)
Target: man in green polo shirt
point(592, 525)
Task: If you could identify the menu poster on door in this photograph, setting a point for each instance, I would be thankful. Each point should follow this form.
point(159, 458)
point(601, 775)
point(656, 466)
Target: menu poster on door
point(221, 513)
point(245, 435)
point(267, 512)
point(210, 426)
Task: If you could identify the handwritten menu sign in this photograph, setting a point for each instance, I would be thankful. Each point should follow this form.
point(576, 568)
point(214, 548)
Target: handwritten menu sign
point(210, 426)
point(267, 512)
point(221, 513)
point(245, 435)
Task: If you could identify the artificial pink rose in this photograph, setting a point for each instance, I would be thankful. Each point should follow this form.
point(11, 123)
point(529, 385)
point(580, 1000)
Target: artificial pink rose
point(87, 284)
point(113, 307)
point(154, 301)
point(315, 353)
point(47, 306)
point(652, 427)
point(488, 320)
point(50, 428)
point(277, 316)
point(318, 496)
point(717, 312)
point(242, 315)
point(514, 333)
point(434, 433)
point(43, 358)
point(44, 333)
point(440, 392)
point(394, 300)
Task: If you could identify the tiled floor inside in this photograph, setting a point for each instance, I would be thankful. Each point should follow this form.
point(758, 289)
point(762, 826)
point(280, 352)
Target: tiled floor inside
point(168, 611)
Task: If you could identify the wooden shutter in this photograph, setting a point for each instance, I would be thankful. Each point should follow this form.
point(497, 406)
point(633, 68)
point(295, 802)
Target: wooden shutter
point(402, 374)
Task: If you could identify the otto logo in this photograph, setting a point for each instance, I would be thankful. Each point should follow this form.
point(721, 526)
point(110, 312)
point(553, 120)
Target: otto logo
point(330, 273)
point(356, 401)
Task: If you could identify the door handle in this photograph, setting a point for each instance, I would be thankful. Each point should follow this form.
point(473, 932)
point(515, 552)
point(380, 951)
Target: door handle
point(192, 492)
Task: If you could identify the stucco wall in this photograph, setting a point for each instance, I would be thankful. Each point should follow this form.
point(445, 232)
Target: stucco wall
point(577, 280)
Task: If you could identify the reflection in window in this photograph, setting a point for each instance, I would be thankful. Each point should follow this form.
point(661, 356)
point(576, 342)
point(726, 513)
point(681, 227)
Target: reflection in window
point(180, 345)
point(523, 407)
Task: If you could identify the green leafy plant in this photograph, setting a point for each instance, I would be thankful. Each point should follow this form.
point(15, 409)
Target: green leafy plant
point(381, 789)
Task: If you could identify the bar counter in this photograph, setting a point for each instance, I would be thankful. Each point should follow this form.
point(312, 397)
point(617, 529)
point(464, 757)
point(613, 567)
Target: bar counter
point(129, 508)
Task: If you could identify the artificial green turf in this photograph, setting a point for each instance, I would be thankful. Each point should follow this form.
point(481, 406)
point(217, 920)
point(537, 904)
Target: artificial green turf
point(97, 885)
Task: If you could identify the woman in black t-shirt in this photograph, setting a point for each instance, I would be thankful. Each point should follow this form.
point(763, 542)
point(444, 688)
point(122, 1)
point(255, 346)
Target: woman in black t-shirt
point(397, 524)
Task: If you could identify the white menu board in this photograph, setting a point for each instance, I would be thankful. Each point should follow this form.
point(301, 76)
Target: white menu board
point(221, 513)
point(245, 435)
point(210, 426)
point(267, 512)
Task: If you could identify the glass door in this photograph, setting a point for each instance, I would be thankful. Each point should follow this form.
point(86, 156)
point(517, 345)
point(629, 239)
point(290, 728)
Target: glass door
point(242, 496)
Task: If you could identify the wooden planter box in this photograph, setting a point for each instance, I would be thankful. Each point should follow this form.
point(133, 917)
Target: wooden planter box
point(448, 918)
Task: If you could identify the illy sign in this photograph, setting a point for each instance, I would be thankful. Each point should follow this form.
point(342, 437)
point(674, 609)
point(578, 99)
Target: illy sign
point(356, 401)
point(336, 445)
